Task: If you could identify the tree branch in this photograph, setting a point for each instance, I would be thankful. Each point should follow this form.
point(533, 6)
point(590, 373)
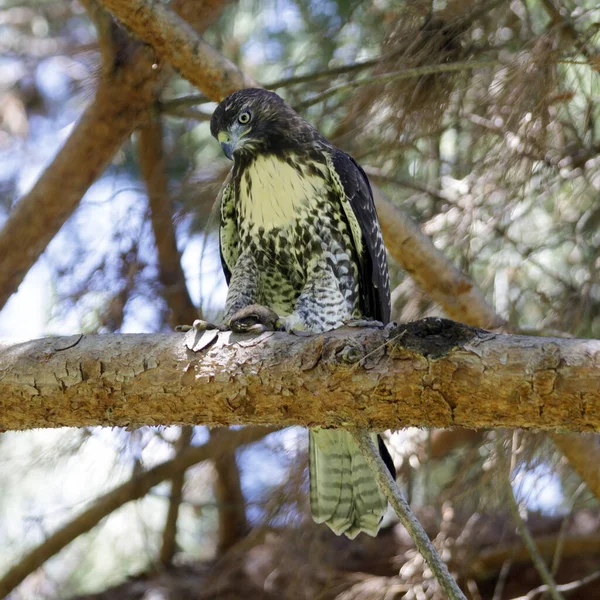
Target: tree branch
point(583, 454)
point(462, 301)
point(389, 487)
point(424, 373)
point(133, 489)
point(430, 269)
point(38, 216)
point(398, 75)
point(123, 99)
point(169, 541)
point(567, 588)
point(233, 524)
point(524, 533)
point(171, 275)
point(176, 42)
point(490, 561)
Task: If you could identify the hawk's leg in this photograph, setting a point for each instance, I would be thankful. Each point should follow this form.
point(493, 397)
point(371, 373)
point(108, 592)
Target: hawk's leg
point(244, 286)
point(322, 305)
point(243, 313)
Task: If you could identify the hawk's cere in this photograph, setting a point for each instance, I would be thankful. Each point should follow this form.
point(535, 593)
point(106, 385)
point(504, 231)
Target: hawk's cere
point(299, 235)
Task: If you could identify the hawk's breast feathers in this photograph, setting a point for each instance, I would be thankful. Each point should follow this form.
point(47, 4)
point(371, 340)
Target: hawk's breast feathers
point(272, 192)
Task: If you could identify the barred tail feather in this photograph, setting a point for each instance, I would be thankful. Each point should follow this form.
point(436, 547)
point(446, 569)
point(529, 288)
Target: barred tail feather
point(343, 491)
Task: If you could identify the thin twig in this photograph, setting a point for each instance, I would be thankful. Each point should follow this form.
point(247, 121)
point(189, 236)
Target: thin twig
point(182, 102)
point(333, 72)
point(562, 534)
point(189, 113)
point(195, 99)
point(397, 75)
point(567, 588)
point(526, 536)
point(406, 516)
point(169, 541)
point(501, 581)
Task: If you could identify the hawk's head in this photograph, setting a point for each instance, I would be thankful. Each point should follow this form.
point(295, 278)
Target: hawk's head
point(253, 121)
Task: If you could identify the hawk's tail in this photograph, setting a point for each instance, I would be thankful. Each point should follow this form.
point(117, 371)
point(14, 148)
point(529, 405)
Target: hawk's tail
point(343, 491)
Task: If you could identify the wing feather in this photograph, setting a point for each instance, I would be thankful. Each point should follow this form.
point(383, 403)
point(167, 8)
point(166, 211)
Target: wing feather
point(228, 234)
point(361, 213)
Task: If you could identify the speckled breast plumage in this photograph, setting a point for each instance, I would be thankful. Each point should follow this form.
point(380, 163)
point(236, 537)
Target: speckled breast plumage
point(291, 225)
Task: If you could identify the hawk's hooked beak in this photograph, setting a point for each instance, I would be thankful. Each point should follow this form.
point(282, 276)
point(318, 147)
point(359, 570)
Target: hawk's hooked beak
point(228, 143)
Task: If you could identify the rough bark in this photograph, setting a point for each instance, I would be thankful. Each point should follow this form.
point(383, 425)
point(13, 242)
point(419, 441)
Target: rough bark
point(176, 42)
point(425, 374)
point(461, 300)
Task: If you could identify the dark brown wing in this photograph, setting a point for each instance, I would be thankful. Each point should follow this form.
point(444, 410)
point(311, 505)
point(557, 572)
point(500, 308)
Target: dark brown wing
point(228, 234)
point(374, 276)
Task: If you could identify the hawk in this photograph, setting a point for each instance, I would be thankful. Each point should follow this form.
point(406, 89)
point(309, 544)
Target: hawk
point(302, 251)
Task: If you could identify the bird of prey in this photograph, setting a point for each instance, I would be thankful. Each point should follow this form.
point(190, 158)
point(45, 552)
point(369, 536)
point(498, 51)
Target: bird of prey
point(302, 251)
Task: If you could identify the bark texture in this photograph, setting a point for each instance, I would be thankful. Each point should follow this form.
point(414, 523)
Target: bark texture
point(428, 373)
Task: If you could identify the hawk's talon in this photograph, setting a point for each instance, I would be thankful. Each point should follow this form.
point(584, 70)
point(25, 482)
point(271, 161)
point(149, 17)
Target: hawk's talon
point(200, 325)
point(254, 319)
point(293, 324)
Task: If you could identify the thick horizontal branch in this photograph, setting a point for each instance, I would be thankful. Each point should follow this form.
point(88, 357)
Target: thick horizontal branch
point(428, 373)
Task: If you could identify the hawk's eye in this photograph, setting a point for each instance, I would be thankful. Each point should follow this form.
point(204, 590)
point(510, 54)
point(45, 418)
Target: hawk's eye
point(244, 117)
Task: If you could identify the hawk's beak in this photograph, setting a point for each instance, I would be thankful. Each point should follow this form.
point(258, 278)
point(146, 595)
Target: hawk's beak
point(227, 144)
point(227, 149)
